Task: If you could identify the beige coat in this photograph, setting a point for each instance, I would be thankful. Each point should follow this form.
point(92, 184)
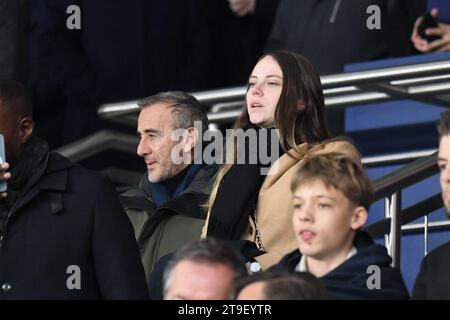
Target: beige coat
point(274, 209)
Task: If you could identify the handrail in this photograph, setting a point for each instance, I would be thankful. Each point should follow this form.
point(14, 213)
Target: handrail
point(386, 74)
point(388, 186)
point(345, 89)
point(107, 139)
point(396, 157)
point(97, 143)
point(406, 176)
point(433, 203)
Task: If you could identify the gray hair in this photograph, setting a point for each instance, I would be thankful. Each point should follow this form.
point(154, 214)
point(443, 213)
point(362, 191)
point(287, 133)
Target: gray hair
point(185, 107)
point(207, 251)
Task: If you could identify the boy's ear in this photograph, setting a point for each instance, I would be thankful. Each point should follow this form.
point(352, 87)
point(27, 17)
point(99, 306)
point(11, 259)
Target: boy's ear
point(359, 218)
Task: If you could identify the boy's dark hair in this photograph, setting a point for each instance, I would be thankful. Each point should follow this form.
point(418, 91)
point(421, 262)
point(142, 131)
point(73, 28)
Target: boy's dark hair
point(285, 285)
point(444, 124)
point(340, 172)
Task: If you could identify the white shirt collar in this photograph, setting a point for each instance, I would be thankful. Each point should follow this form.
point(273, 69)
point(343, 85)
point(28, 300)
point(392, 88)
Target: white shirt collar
point(301, 266)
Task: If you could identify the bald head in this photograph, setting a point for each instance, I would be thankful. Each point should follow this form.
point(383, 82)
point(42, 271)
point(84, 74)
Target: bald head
point(16, 122)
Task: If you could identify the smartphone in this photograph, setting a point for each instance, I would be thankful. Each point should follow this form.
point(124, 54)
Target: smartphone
point(3, 185)
point(427, 22)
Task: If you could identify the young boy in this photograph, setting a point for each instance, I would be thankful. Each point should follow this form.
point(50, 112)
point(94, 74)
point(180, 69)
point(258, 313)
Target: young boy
point(332, 195)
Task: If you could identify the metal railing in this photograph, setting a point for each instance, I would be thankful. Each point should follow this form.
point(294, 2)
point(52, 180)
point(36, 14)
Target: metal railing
point(388, 187)
point(101, 141)
point(97, 143)
point(427, 82)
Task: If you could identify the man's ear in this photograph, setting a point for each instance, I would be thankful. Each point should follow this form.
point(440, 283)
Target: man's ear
point(359, 218)
point(191, 138)
point(26, 127)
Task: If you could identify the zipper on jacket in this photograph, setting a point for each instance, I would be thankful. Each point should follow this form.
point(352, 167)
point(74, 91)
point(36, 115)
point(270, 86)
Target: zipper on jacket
point(335, 11)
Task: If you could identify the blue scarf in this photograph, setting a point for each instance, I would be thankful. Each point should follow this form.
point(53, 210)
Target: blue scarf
point(161, 193)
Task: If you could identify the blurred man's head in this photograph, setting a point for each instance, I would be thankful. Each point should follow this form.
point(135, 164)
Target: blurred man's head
point(161, 115)
point(204, 270)
point(280, 286)
point(444, 158)
point(16, 122)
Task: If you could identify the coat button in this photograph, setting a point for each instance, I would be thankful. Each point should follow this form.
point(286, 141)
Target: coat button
point(6, 287)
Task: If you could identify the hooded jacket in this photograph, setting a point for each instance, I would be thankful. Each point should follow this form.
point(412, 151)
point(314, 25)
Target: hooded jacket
point(351, 279)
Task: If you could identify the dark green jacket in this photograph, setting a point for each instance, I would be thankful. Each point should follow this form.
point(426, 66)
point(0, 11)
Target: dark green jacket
point(164, 230)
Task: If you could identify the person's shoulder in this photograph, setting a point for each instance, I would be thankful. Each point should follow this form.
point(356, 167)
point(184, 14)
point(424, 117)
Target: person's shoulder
point(441, 253)
point(76, 172)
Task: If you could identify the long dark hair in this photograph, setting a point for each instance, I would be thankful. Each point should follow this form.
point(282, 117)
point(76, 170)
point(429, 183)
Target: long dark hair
point(299, 115)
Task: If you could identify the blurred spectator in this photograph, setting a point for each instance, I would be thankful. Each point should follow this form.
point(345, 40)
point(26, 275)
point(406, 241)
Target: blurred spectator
point(280, 286)
point(204, 270)
point(240, 29)
point(433, 281)
point(334, 33)
point(13, 39)
point(124, 50)
point(440, 11)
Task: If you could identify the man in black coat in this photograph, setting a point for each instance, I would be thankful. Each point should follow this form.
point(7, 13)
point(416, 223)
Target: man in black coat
point(63, 234)
point(433, 281)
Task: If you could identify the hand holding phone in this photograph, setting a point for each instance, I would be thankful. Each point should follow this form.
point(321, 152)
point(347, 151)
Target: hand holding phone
point(428, 21)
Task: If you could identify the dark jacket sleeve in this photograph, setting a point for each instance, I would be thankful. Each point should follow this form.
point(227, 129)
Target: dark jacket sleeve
point(60, 51)
point(420, 287)
point(118, 267)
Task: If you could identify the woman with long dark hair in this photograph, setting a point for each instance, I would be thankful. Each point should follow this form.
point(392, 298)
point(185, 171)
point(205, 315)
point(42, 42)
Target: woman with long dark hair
point(285, 94)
